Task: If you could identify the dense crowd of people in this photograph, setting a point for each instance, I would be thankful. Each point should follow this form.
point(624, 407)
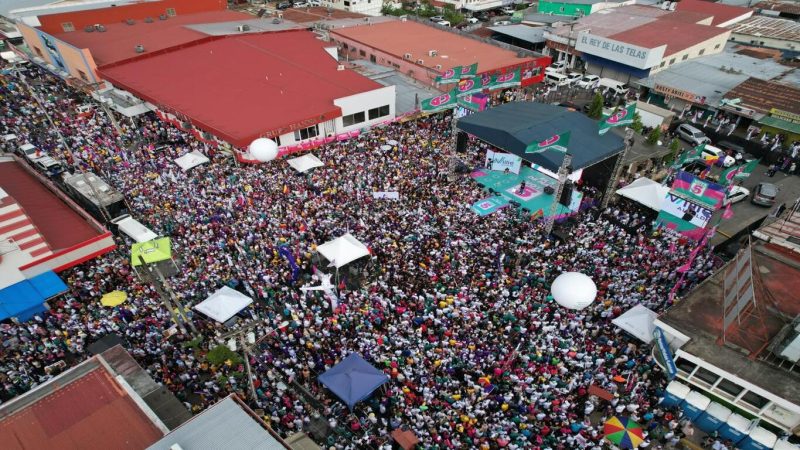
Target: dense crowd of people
point(454, 307)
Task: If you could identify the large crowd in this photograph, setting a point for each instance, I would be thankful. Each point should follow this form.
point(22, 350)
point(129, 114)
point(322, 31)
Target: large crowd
point(454, 307)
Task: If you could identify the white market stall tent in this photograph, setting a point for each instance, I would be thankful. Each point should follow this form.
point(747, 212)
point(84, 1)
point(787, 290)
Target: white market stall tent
point(191, 160)
point(646, 192)
point(305, 163)
point(223, 304)
point(639, 321)
point(343, 250)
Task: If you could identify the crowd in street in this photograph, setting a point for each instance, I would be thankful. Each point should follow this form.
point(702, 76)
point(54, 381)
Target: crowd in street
point(454, 307)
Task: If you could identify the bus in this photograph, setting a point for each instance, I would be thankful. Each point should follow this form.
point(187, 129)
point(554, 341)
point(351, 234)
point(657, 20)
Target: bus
point(79, 188)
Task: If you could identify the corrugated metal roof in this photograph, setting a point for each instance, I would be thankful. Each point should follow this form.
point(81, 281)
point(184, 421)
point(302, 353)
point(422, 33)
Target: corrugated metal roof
point(768, 27)
point(225, 425)
point(525, 33)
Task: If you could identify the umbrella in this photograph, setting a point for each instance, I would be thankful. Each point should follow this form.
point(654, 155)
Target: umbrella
point(386, 147)
point(114, 298)
point(623, 432)
point(392, 142)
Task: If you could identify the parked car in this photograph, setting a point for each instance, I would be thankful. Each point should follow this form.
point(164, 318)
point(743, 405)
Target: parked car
point(556, 79)
point(284, 5)
point(556, 67)
point(709, 151)
point(508, 10)
point(764, 194)
point(48, 166)
point(472, 20)
point(691, 134)
point(735, 195)
point(503, 22)
point(437, 19)
point(30, 152)
point(587, 81)
point(573, 78)
point(300, 4)
point(314, 3)
point(443, 23)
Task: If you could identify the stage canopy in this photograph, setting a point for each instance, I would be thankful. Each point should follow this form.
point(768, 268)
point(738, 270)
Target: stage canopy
point(25, 299)
point(343, 250)
point(223, 304)
point(513, 126)
point(191, 160)
point(646, 192)
point(305, 163)
point(152, 251)
point(639, 322)
point(353, 379)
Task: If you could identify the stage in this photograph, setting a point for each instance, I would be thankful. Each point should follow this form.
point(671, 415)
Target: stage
point(533, 198)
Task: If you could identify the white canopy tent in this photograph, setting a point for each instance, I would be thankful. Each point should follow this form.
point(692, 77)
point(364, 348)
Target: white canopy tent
point(305, 163)
point(343, 250)
point(191, 160)
point(639, 322)
point(646, 192)
point(223, 304)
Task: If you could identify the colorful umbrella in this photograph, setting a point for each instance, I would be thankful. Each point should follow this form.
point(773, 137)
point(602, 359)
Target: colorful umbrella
point(623, 432)
point(114, 298)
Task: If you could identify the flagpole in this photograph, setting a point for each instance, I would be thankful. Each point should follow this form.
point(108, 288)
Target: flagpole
point(562, 178)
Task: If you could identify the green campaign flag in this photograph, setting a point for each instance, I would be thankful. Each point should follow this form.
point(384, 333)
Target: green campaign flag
point(747, 169)
point(473, 102)
point(739, 172)
point(441, 102)
point(558, 143)
point(469, 71)
point(691, 155)
point(450, 76)
point(506, 80)
point(469, 86)
point(618, 119)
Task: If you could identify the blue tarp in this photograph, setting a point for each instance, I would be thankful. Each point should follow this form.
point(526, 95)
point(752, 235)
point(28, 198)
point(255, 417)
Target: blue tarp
point(23, 300)
point(353, 379)
point(511, 127)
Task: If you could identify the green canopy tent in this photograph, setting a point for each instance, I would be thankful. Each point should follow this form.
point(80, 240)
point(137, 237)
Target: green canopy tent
point(151, 252)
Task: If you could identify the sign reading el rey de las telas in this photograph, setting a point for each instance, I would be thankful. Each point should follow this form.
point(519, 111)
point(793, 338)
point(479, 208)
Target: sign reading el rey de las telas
point(621, 52)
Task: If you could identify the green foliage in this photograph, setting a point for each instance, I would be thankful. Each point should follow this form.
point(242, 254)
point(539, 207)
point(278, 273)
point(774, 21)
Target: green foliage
point(219, 354)
point(637, 123)
point(675, 148)
point(387, 10)
point(521, 6)
point(652, 138)
point(596, 107)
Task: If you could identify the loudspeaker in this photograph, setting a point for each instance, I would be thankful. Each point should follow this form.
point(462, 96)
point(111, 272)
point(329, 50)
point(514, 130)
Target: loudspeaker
point(566, 194)
point(549, 190)
point(688, 216)
point(461, 142)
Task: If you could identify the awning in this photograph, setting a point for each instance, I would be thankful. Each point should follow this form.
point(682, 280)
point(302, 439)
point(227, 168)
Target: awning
point(25, 299)
point(191, 160)
point(223, 304)
point(343, 250)
point(780, 124)
point(353, 379)
point(639, 322)
point(646, 192)
point(305, 163)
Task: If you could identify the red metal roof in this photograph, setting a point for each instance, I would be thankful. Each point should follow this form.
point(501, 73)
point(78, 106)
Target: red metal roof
point(90, 412)
point(119, 41)
point(61, 226)
point(722, 13)
point(243, 86)
point(677, 35)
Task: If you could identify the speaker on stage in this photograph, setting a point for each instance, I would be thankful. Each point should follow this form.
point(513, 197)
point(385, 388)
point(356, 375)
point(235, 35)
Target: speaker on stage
point(461, 142)
point(566, 194)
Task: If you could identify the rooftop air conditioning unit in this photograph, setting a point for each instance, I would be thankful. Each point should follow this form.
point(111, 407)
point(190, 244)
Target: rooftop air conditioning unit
point(432, 53)
point(340, 67)
point(407, 56)
point(672, 6)
point(130, 21)
point(420, 62)
point(243, 28)
point(100, 28)
point(148, 20)
point(438, 67)
point(140, 48)
point(665, 5)
point(162, 17)
point(89, 29)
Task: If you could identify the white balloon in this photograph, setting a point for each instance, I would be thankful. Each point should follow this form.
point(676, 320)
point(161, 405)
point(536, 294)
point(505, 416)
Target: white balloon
point(573, 290)
point(263, 149)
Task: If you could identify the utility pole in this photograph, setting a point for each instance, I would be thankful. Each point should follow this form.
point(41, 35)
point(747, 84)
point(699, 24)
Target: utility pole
point(563, 171)
point(247, 341)
point(616, 172)
point(174, 299)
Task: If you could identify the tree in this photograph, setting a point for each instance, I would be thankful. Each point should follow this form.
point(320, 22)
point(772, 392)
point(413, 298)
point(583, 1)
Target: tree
point(674, 147)
point(637, 124)
point(652, 138)
point(596, 107)
point(219, 354)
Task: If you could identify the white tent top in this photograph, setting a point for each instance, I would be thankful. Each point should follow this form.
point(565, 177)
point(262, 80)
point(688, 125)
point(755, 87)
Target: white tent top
point(305, 163)
point(639, 322)
point(343, 250)
point(678, 389)
point(646, 192)
point(191, 160)
point(698, 400)
point(223, 304)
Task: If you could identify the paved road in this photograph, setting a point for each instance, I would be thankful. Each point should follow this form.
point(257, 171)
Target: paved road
point(745, 213)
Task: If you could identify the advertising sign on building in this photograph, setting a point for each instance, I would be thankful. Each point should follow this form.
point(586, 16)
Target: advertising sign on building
point(669, 91)
point(784, 115)
point(620, 52)
point(502, 161)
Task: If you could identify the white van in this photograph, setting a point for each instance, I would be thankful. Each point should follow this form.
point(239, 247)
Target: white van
point(556, 79)
point(133, 228)
point(616, 87)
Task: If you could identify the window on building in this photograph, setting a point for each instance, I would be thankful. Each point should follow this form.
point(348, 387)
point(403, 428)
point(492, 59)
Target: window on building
point(171, 12)
point(663, 63)
point(374, 113)
point(67, 26)
point(345, 46)
point(306, 133)
point(346, 3)
point(561, 9)
point(706, 376)
point(755, 399)
point(362, 53)
point(729, 387)
point(353, 119)
point(702, 50)
point(716, 46)
point(672, 61)
point(685, 57)
point(277, 140)
point(83, 76)
point(684, 365)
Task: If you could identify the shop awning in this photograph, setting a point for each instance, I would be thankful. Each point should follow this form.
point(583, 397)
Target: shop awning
point(780, 124)
point(25, 299)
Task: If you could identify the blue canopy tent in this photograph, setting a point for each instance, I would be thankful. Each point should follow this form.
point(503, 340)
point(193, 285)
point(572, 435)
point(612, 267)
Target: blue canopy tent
point(353, 379)
point(25, 299)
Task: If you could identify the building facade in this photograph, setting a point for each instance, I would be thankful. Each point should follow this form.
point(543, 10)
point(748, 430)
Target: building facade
point(578, 8)
point(366, 7)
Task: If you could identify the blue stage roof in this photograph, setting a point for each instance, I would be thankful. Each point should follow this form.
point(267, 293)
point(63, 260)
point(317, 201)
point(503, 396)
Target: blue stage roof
point(353, 379)
point(23, 300)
